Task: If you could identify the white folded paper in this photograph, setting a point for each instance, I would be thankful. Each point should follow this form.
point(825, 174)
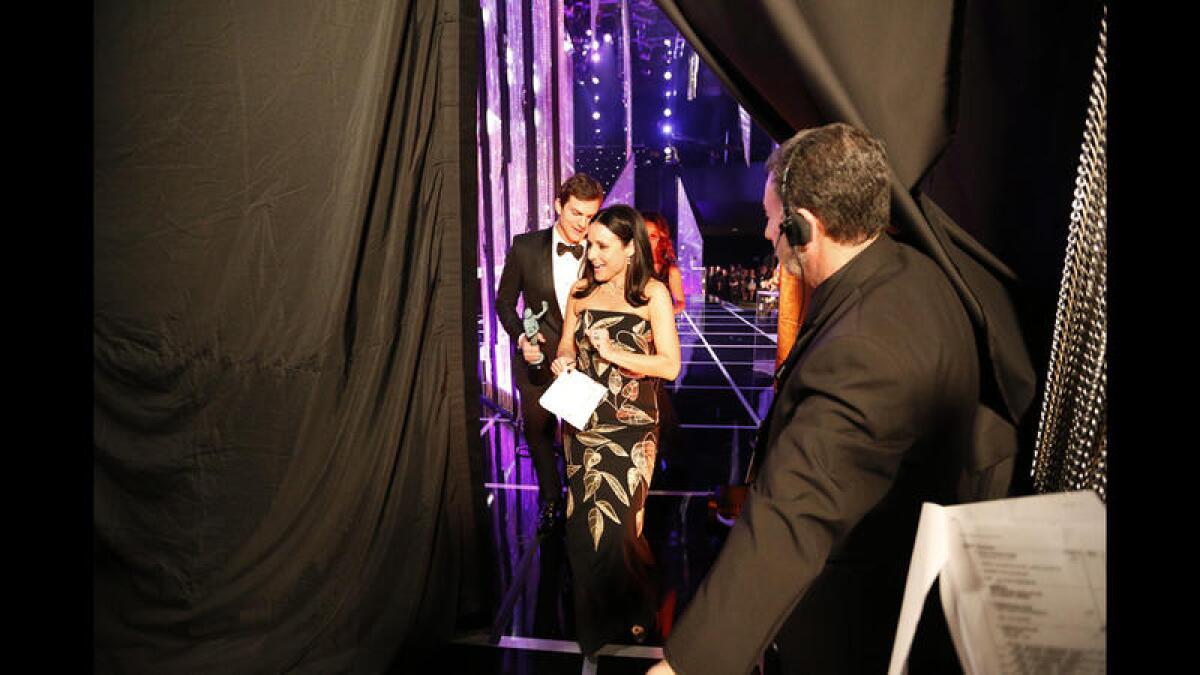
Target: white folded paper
point(1023, 583)
point(573, 397)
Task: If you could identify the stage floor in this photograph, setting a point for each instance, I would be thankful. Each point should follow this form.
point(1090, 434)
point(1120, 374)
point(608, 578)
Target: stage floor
point(721, 395)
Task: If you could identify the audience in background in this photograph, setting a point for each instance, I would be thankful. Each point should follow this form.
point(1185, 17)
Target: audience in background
point(739, 284)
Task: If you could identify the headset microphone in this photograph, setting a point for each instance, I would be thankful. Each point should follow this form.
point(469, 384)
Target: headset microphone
point(797, 229)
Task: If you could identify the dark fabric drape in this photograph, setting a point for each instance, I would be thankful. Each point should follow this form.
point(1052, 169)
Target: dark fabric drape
point(888, 68)
point(284, 333)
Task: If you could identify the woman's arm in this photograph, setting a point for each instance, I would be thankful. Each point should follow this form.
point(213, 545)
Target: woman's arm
point(675, 279)
point(665, 363)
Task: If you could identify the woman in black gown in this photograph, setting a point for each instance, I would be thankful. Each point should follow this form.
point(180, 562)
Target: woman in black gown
point(620, 331)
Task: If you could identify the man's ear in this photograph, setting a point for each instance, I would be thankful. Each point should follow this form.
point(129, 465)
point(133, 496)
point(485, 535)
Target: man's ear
point(557, 207)
point(814, 223)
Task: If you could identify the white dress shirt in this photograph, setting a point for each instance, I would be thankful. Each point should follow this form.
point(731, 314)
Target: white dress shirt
point(566, 270)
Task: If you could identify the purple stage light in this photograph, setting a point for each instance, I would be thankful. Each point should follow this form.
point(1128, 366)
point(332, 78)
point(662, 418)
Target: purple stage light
point(595, 80)
point(666, 128)
point(596, 115)
point(667, 75)
point(608, 38)
point(666, 112)
point(595, 57)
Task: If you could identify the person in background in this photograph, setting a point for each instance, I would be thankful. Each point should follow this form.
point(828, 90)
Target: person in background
point(665, 268)
point(667, 271)
point(716, 284)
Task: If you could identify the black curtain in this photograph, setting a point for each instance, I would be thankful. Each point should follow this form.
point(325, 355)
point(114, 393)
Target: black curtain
point(1008, 174)
point(896, 69)
point(286, 399)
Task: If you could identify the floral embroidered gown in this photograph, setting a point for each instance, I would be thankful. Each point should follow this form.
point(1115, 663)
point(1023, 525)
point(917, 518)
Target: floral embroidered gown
point(609, 466)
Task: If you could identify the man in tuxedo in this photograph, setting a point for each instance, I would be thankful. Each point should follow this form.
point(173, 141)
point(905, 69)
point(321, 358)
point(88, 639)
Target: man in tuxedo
point(874, 413)
point(541, 266)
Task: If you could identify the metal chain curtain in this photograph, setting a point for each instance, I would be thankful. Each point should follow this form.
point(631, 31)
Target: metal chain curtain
point(1071, 450)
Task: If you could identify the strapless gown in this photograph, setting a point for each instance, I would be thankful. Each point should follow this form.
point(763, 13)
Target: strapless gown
point(609, 466)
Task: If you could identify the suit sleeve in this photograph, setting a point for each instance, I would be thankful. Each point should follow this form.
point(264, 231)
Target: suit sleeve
point(834, 459)
point(512, 282)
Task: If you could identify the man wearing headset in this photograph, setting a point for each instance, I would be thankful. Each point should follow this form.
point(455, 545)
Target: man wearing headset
point(873, 415)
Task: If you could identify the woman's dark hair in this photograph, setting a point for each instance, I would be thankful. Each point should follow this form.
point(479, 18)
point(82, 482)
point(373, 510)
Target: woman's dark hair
point(625, 222)
point(665, 250)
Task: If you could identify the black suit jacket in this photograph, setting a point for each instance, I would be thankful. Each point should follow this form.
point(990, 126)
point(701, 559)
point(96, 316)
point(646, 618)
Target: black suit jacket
point(874, 414)
point(529, 270)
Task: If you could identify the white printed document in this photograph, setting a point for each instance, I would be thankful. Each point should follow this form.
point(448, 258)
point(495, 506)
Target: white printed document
point(1022, 583)
point(573, 396)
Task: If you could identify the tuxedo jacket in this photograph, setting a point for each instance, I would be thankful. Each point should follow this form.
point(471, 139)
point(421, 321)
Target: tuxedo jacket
point(529, 271)
point(874, 414)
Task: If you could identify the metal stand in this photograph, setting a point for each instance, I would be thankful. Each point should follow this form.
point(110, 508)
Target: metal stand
point(518, 424)
point(520, 578)
point(501, 411)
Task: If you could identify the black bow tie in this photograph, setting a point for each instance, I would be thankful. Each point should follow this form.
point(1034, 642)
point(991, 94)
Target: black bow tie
point(575, 249)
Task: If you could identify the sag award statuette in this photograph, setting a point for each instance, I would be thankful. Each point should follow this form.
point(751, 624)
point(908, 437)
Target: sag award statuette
point(537, 371)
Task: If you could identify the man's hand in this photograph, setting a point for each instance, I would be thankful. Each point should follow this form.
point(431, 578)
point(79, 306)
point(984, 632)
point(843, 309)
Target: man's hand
point(531, 352)
point(661, 668)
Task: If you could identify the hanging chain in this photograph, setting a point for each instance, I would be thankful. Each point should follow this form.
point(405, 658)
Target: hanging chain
point(1071, 450)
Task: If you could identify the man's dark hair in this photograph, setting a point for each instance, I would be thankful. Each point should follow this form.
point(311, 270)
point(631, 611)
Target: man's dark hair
point(580, 186)
point(838, 172)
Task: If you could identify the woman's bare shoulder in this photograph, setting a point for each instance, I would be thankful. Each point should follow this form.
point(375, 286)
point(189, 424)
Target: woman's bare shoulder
point(655, 287)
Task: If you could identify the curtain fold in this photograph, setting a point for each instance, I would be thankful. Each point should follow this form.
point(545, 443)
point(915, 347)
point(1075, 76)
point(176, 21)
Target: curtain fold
point(284, 340)
point(889, 68)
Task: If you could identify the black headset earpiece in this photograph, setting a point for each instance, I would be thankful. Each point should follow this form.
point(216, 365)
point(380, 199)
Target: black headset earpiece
point(795, 228)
